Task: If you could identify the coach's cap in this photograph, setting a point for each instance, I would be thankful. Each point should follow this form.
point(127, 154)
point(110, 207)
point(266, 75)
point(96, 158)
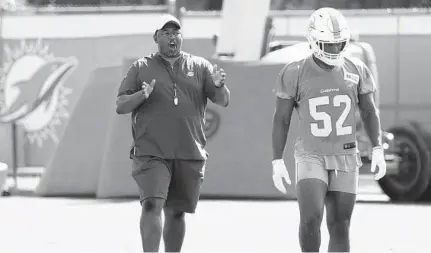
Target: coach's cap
point(167, 19)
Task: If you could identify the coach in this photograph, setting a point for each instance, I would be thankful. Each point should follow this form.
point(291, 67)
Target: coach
point(166, 92)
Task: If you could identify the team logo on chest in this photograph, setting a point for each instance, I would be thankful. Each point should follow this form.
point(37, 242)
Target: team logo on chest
point(188, 69)
point(329, 90)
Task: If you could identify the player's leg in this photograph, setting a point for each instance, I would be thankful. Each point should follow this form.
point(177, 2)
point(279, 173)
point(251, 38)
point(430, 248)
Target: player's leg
point(153, 177)
point(341, 199)
point(339, 209)
point(184, 192)
point(311, 189)
point(340, 203)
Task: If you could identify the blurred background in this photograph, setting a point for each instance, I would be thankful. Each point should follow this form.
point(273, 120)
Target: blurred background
point(216, 5)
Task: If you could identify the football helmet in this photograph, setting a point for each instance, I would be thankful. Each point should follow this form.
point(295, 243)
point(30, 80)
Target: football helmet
point(328, 26)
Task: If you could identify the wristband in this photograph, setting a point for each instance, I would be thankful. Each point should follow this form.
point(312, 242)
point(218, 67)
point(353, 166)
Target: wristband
point(277, 161)
point(377, 147)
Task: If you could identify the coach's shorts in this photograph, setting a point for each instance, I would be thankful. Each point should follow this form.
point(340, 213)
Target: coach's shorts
point(176, 181)
point(339, 172)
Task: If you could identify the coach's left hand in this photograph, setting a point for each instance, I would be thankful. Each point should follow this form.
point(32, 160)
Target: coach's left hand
point(219, 76)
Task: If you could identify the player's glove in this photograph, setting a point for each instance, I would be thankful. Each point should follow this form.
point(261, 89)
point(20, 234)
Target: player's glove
point(279, 172)
point(378, 159)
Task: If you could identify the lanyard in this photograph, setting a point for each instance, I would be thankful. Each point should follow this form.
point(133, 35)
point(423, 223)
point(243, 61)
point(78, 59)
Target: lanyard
point(171, 75)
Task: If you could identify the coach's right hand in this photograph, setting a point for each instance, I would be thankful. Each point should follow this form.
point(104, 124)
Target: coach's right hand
point(279, 172)
point(148, 88)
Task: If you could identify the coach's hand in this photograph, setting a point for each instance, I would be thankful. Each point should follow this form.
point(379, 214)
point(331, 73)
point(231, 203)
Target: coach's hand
point(279, 172)
point(148, 88)
point(378, 159)
point(219, 76)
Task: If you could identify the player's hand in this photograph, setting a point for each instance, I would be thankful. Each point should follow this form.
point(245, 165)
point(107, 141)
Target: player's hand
point(218, 75)
point(279, 172)
point(378, 160)
point(148, 88)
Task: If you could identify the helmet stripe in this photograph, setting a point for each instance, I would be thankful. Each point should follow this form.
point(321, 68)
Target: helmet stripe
point(334, 21)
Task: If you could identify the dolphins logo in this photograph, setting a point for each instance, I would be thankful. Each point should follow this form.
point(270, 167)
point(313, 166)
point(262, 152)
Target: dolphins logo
point(212, 123)
point(33, 91)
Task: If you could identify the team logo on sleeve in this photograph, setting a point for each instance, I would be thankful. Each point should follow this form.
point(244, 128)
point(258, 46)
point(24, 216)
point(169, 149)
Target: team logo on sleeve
point(350, 77)
point(33, 95)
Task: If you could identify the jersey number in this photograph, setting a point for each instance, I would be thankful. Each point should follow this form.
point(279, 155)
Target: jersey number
point(326, 119)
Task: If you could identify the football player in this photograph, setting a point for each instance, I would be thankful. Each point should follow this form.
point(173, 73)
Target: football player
point(326, 88)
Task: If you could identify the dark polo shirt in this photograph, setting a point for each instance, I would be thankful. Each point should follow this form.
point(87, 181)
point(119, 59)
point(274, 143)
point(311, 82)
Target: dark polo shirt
point(159, 127)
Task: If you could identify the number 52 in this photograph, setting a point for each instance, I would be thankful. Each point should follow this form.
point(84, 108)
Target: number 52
point(326, 130)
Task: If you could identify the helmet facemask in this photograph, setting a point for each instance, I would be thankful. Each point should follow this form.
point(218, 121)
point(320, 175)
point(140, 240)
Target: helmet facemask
point(334, 59)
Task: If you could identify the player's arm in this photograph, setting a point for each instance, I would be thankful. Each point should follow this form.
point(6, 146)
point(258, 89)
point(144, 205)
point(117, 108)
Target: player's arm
point(373, 69)
point(370, 118)
point(218, 95)
point(281, 125)
point(369, 111)
point(371, 63)
point(130, 96)
point(286, 90)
